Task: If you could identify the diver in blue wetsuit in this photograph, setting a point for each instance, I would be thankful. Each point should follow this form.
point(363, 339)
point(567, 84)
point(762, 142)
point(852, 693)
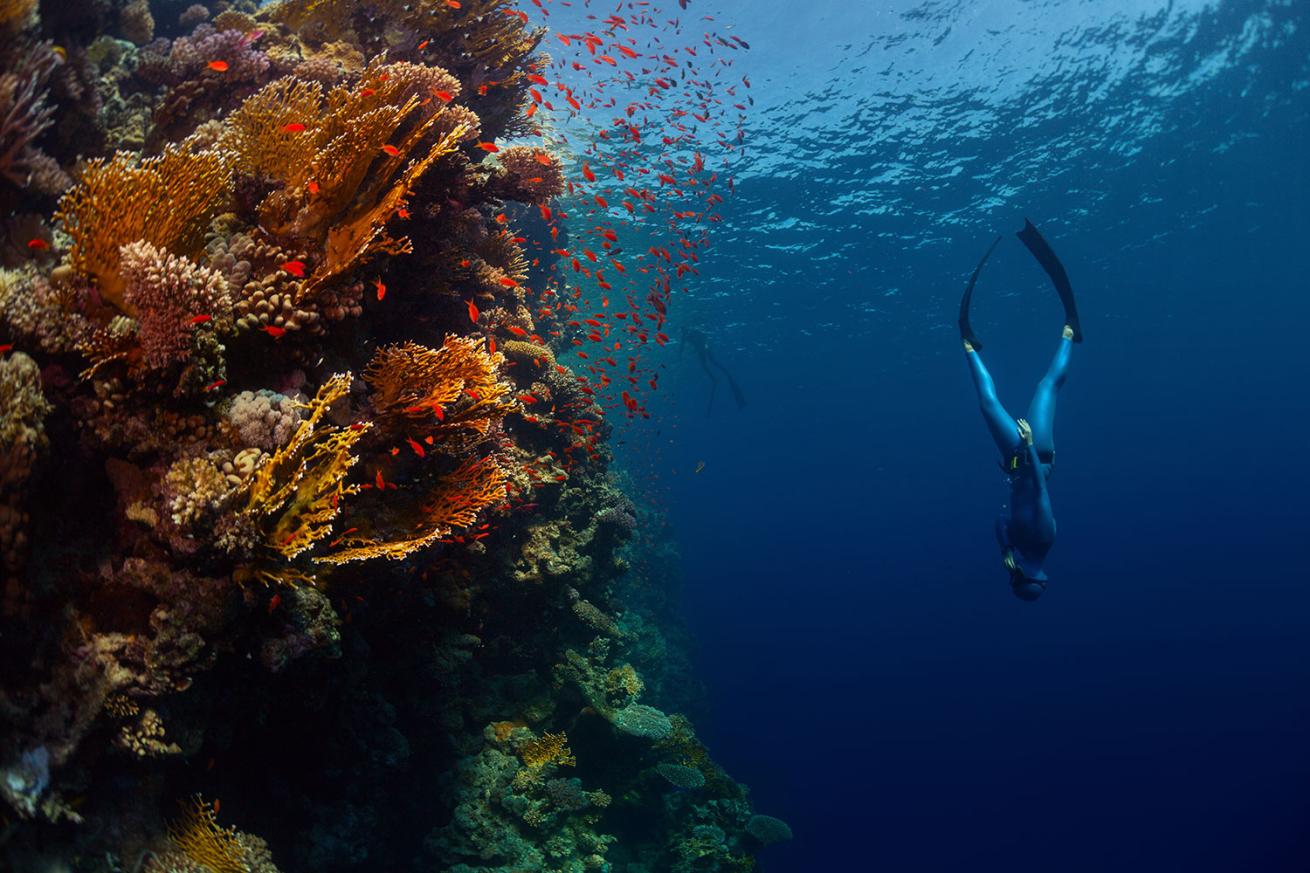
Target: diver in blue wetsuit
point(1025, 530)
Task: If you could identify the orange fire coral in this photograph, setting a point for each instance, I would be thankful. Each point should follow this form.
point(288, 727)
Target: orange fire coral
point(347, 160)
point(456, 503)
point(165, 201)
point(460, 379)
point(15, 12)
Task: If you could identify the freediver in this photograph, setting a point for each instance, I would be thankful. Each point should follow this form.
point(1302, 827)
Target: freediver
point(1025, 529)
point(701, 344)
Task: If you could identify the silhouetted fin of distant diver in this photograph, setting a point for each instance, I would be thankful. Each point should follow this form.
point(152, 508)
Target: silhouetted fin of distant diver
point(1045, 256)
point(737, 395)
point(966, 331)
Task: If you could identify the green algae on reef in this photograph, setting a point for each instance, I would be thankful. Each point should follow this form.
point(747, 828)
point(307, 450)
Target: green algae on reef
point(291, 574)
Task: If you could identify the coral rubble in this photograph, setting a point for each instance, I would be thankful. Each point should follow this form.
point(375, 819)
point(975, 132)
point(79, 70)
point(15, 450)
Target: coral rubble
point(299, 512)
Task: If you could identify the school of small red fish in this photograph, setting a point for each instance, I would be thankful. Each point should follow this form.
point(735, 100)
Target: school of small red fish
point(654, 113)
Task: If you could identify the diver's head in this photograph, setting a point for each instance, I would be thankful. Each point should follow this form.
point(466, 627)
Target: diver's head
point(1027, 589)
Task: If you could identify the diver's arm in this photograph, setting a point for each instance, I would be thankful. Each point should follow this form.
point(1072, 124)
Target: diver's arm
point(1033, 472)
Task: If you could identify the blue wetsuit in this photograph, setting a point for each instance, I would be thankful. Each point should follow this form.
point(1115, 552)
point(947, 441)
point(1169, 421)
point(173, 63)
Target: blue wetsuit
point(1025, 529)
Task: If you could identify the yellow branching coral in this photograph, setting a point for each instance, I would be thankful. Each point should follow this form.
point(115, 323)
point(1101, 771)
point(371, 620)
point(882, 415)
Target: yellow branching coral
point(199, 836)
point(456, 503)
point(165, 201)
point(303, 483)
point(550, 749)
point(459, 378)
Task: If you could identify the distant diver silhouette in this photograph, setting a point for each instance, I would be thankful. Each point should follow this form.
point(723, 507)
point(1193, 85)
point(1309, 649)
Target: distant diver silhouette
point(1025, 530)
point(701, 344)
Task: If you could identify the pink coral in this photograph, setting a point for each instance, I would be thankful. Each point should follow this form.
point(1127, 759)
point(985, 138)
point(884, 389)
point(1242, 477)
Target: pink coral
point(24, 115)
point(191, 55)
point(167, 292)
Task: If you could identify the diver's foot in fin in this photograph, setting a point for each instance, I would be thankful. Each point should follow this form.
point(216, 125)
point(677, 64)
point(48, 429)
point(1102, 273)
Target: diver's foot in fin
point(972, 342)
point(1045, 255)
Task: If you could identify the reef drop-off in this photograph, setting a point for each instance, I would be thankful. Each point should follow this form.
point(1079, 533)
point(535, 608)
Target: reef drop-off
point(314, 556)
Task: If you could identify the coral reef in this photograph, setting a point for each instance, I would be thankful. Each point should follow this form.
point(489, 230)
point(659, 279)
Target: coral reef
point(306, 506)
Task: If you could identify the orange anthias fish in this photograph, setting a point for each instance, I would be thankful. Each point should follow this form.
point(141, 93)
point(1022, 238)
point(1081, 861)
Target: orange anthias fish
point(508, 282)
point(201, 319)
point(295, 268)
point(489, 147)
point(473, 312)
point(293, 127)
point(218, 66)
point(312, 186)
point(38, 245)
point(444, 96)
point(274, 332)
point(382, 289)
point(391, 150)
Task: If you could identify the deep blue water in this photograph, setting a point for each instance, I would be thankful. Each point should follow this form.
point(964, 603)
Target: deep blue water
point(872, 678)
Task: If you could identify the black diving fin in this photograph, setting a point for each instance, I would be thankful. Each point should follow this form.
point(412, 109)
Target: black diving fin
point(966, 331)
point(1045, 256)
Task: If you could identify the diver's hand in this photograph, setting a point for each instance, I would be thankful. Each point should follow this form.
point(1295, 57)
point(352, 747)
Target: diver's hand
point(1025, 431)
point(1067, 333)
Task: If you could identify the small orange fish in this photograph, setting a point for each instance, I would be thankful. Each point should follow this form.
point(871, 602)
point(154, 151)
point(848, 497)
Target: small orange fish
point(391, 150)
point(402, 213)
point(517, 331)
point(587, 173)
point(473, 312)
point(444, 96)
point(6, 348)
point(416, 446)
point(424, 44)
point(542, 158)
point(274, 602)
point(293, 127)
point(489, 147)
point(491, 345)
point(215, 385)
point(382, 289)
point(312, 186)
point(453, 4)
point(201, 319)
point(295, 268)
point(380, 484)
point(508, 282)
point(218, 66)
point(38, 245)
point(274, 331)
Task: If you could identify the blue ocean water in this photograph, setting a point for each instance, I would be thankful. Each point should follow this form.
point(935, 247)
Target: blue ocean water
point(872, 678)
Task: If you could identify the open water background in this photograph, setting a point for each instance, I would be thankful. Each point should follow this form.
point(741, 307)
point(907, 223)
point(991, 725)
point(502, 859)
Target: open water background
point(872, 678)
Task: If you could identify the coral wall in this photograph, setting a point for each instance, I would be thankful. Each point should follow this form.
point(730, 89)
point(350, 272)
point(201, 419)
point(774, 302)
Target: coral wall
point(307, 532)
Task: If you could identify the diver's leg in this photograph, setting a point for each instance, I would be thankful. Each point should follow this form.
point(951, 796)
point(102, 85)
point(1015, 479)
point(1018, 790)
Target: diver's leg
point(1003, 427)
point(1041, 412)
